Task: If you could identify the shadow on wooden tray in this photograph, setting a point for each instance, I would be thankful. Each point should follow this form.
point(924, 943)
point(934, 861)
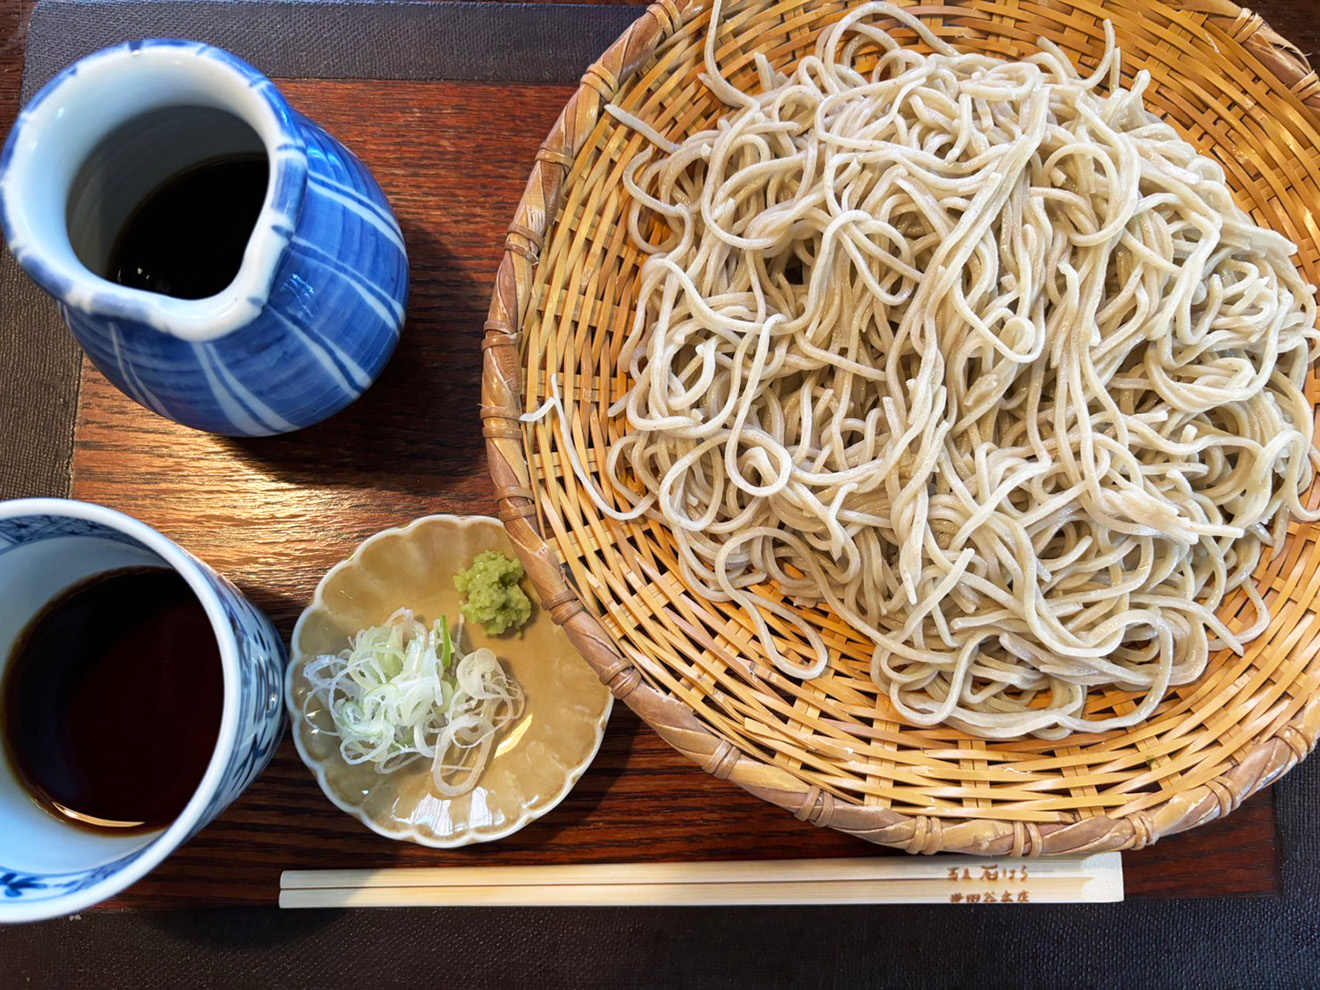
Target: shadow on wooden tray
point(577, 810)
point(418, 428)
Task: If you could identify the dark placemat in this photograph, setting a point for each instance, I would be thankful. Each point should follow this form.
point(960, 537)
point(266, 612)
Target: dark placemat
point(1227, 943)
point(318, 39)
point(1205, 945)
point(38, 389)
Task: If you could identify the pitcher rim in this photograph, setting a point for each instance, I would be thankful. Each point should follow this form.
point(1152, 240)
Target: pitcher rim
point(257, 101)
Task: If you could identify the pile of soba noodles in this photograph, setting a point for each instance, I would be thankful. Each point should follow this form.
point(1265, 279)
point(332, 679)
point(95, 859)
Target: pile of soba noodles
point(981, 355)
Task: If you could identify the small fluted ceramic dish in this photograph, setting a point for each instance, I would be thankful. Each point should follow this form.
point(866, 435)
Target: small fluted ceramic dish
point(537, 760)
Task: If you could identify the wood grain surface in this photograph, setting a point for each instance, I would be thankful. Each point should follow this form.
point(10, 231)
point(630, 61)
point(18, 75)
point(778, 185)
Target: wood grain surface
point(274, 514)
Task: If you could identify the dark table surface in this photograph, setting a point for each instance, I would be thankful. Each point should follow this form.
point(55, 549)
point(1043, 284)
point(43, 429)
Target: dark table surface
point(1271, 941)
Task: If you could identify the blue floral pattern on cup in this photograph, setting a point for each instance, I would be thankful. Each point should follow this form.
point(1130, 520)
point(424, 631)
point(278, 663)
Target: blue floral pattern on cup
point(34, 886)
point(30, 529)
point(260, 694)
point(262, 659)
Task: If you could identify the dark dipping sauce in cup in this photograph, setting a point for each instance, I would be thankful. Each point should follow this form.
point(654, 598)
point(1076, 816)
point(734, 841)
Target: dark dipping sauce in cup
point(112, 700)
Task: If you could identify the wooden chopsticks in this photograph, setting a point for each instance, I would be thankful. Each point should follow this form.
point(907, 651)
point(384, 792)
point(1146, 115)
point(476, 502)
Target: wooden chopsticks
point(868, 880)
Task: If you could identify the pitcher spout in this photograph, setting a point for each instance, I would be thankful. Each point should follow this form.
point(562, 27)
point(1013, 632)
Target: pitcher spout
point(313, 306)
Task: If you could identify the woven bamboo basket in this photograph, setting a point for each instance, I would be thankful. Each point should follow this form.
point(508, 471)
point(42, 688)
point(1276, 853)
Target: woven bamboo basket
point(832, 751)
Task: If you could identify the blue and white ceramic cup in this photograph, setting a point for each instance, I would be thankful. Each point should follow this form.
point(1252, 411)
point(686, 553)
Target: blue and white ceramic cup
point(48, 867)
point(316, 308)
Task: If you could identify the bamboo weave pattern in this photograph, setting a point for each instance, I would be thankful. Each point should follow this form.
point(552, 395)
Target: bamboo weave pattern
point(830, 750)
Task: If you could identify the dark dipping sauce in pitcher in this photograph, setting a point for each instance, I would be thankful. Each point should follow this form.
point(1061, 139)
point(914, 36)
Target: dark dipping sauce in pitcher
point(112, 700)
point(187, 238)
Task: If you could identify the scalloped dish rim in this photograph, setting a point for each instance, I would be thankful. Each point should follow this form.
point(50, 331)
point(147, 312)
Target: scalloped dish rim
point(297, 723)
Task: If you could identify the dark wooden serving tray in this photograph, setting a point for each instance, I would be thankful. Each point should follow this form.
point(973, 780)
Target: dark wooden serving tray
point(275, 514)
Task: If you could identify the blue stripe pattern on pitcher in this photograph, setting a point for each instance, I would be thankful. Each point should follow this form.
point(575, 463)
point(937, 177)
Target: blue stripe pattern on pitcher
point(329, 243)
point(326, 332)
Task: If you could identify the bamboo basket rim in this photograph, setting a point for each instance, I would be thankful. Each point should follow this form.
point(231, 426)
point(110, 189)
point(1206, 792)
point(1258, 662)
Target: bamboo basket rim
point(502, 405)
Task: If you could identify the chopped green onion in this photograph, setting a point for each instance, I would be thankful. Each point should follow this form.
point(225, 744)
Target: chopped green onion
point(395, 697)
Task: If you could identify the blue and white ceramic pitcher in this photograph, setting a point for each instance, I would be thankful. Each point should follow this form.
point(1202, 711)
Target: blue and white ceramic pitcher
point(316, 307)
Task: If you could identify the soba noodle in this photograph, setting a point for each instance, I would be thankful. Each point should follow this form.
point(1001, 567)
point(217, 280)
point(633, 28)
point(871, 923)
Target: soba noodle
point(981, 355)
